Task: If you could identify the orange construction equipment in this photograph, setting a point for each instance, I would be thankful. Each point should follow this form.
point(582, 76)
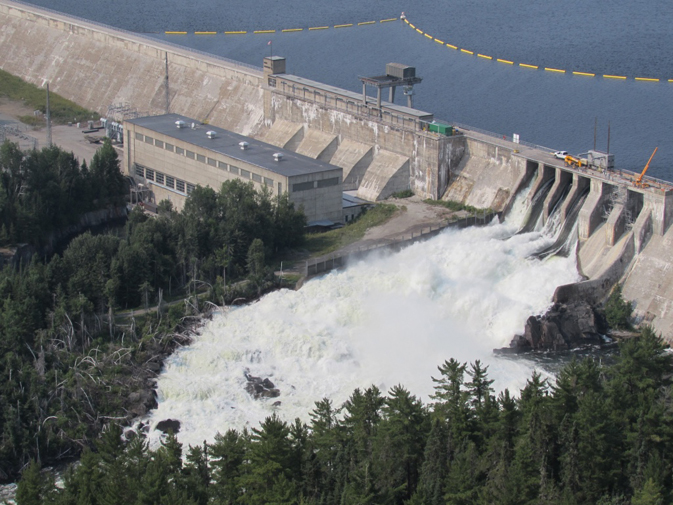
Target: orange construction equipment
point(639, 179)
point(577, 162)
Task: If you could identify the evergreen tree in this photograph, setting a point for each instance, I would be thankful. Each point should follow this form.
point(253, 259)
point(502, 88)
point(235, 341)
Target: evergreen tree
point(434, 470)
point(34, 488)
point(617, 310)
point(227, 455)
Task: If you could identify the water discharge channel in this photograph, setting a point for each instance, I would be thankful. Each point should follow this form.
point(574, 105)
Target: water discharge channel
point(390, 319)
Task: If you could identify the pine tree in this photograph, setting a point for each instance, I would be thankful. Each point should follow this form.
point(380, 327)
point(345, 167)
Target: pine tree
point(226, 463)
point(430, 489)
point(34, 487)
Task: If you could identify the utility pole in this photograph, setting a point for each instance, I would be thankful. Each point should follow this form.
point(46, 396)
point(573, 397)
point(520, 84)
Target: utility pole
point(48, 119)
point(168, 100)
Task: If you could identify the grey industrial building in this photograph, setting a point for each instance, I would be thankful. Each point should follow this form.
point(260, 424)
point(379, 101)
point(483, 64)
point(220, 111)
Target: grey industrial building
point(171, 154)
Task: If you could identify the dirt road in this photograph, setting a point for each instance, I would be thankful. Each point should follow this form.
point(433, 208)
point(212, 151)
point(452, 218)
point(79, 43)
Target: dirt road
point(69, 138)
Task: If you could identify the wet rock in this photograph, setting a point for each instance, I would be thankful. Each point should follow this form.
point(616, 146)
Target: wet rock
point(276, 404)
point(260, 388)
point(168, 425)
point(564, 327)
point(141, 402)
point(154, 366)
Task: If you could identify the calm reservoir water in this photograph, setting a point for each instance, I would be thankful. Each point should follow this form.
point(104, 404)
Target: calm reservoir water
point(623, 37)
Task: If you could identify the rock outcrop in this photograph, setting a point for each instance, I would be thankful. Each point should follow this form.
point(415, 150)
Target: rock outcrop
point(564, 327)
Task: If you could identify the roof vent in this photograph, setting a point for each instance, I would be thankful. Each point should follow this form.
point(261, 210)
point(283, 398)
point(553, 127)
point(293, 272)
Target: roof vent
point(278, 156)
point(180, 124)
point(211, 134)
point(244, 145)
point(193, 126)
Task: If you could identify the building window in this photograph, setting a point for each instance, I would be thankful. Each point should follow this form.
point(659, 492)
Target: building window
point(159, 143)
point(233, 169)
point(212, 162)
point(140, 172)
point(190, 188)
point(169, 147)
point(149, 174)
point(324, 183)
point(245, 174)
point(257, 178)
point(149, 140)
point(139, 136)
point(180, 185)
point(160, 178)
point(201, 158)
point(222, 165)
point(302, 186)
point(170, 182)
point(190, 155)
point(268, 182)
point(179, 150)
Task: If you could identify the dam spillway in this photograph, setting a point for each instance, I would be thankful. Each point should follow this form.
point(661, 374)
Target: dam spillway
point(96, 65)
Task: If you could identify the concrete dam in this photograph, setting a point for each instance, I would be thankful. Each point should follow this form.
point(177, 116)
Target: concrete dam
point(624, 229)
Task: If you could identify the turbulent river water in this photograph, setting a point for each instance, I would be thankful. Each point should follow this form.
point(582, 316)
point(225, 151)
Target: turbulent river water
point(391, 319)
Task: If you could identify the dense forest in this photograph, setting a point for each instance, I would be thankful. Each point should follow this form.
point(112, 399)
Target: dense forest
point(599, 434)
point(46, 190)
point(70, 362)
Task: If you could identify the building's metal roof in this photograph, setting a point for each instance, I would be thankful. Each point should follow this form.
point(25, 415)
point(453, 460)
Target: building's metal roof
point(226, 143)
point(350, 200)
point(357, 97)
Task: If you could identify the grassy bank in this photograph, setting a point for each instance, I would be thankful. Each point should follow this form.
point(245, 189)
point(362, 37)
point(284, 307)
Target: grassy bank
point(325, 243)
point(62, 110)
point(456, 206)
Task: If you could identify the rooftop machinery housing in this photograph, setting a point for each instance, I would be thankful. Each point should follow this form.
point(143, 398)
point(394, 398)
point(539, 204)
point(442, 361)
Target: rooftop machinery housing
point(172, 154)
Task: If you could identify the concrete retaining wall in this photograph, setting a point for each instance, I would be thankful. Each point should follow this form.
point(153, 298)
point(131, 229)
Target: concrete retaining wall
point(96, 66)
point(486, 177)
point(324, 264)
point(594, 291)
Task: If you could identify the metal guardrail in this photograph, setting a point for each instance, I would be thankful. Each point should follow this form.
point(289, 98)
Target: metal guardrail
point(615, 175)
point(399, 124)
point(139, 34)
point(500, 136)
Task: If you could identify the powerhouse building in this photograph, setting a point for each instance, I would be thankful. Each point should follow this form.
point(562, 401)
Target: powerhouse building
point(172, 154)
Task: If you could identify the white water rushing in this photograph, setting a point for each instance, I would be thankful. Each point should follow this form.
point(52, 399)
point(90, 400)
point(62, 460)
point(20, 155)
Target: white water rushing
point(391, 319)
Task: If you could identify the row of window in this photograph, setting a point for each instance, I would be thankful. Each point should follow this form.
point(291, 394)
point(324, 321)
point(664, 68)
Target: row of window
point(164, 180)
point(323, 183)
point(245, 174)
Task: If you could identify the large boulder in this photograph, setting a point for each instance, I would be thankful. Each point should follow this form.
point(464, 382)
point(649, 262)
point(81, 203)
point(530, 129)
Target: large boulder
point(564, 327)
point(169, 425)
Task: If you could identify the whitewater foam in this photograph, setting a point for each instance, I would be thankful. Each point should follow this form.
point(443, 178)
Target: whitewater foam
point(390, 319)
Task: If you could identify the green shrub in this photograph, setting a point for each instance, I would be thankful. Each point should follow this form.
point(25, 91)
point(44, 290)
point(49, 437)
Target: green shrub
point(456, 206)
point(403, 194)
point(617, 310)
